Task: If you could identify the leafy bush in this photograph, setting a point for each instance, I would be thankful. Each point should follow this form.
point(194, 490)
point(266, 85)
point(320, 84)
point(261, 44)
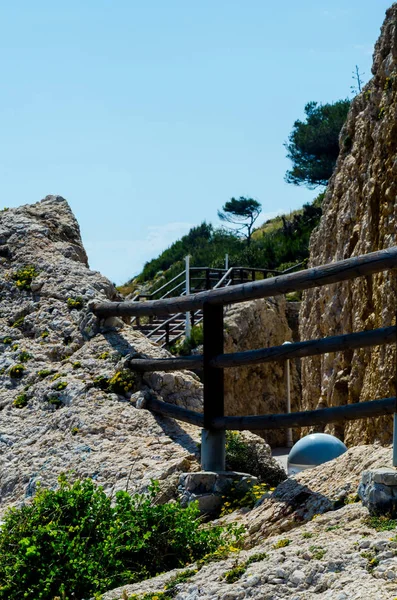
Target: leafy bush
point(44, 373)
point(24, 356)
point(20, 401)
point(241, 497)
point(245, 455)
point(61, 385)
point(121, 383)
point(24, 277)
point(17, 371)
point(75, 303)
point(382, 523)
point(185, 347)
point(73, 542)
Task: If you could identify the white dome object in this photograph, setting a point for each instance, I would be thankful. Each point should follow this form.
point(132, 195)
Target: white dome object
point(313, 450)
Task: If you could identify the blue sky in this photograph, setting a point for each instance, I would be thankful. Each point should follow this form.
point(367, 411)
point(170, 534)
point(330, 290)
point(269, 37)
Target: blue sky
point(149, 116)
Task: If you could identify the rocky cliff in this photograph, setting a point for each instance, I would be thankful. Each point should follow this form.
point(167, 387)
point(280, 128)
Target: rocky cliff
point(359, 216)
point(66, 402)
point(259, 389)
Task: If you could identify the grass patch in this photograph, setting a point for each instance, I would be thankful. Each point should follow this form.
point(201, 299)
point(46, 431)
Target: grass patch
point(317, 552)
point(381, 523)
point(44, 373)
point(20, 401)
point(281, 543)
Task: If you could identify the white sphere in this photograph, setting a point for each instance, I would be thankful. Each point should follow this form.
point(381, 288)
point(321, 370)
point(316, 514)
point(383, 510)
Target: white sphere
point(313, 450)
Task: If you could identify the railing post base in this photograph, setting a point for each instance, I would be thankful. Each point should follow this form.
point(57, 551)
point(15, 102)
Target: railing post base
point(213, 450)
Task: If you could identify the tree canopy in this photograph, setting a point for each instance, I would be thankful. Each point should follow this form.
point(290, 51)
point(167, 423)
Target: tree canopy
point(313, 145)
point(242, 212)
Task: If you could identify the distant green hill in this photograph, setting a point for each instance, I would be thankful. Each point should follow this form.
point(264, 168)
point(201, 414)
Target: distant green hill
point(277, 244)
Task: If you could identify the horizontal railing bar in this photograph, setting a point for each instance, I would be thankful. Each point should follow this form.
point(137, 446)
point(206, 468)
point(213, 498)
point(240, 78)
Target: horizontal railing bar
point(176, 412)
point(207, 269)
point(337, 343)
point(166, 364)
point(318, 276)
point(322, 416)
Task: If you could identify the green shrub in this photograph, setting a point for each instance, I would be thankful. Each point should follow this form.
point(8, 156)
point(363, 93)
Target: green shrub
point(246, 457)
point(44, 373)
point(55, 401)
point(24, 277)
point(75, 303)
point(238, 571)
point(76, 365)
point(20, 401)
point(61, 385)
point(281, 543)
point(24, 356)
point(239, 497)
point(381, 523)
point(44, 335)
point(75, 542)
point(7, 340)
point(235, 573)
point(317, 552)
point(185, 347)
point(121, 383)
point(17, 371)
point(18, 323)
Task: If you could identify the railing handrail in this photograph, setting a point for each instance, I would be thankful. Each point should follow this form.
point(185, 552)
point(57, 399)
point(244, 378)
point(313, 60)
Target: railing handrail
point(343, 270)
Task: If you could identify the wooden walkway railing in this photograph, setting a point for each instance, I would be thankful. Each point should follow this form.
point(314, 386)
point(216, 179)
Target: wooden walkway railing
point(213, 361)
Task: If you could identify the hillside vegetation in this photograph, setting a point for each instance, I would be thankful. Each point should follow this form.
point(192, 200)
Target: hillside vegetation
point(279, 243)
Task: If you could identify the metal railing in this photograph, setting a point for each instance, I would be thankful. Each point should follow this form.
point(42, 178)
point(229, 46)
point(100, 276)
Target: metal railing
point(191, 281)
point(214, 361)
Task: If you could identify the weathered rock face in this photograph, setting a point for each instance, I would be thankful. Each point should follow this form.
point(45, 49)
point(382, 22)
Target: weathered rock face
point(66, 421)
point(359, 216)
point(259, 389)
point(335, 556)
point(63, 406)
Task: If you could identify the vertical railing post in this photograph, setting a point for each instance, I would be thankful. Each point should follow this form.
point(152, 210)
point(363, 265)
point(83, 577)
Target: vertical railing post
point(395, 414)
point(207, 279)
point(226, 262)
point(188, 327)
point(213, 441)
point(167, 334)
point(287, 376)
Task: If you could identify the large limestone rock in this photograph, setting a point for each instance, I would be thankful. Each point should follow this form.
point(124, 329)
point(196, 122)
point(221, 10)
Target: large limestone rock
point(259, 389)
point(68, 422)
point(359, 216)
